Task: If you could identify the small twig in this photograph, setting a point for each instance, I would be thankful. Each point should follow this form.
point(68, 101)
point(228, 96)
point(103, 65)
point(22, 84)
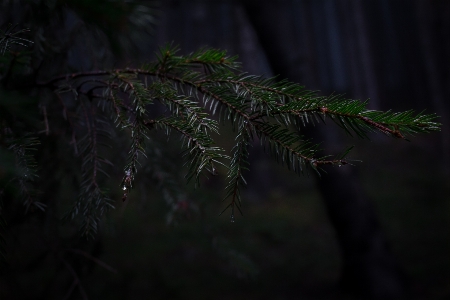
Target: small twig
point(74, 142)
point(75, 278)
point(44, 111)
point(381, 127)
point(69, 292)
point(67, 117)
point(94, 147)
point(96, 260)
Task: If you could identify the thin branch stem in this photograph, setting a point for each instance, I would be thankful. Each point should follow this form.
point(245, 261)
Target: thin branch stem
point(96, 260)
point(199, 85)
point(76, 279)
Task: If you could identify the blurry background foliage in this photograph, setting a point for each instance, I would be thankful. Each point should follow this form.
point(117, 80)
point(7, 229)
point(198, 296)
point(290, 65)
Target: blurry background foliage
point(284, 247)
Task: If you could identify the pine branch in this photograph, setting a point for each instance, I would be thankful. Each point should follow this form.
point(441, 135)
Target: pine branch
point(197, 86)
point(93, 201)
point(26, 170)
point(179, 102)
point(139, 97)
point(24, 176)
point(239, 163)
point(8, 38)
point(199, 151)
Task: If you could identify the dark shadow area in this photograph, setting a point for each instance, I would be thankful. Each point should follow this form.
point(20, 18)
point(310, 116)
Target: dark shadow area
point(376, 230)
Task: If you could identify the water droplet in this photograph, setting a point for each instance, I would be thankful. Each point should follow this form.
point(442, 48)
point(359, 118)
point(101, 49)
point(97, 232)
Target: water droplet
point(124, 188)
point(232, 219)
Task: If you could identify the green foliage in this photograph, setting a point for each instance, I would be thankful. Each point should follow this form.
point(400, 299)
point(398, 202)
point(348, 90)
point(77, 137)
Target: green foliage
point(195, 87)
point(21, 176)
point(26, 169)
point(8, 38)
point(93, 201)
point(194, 95)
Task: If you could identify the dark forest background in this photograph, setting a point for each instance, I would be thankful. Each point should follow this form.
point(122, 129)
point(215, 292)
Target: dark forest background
point(377, 230)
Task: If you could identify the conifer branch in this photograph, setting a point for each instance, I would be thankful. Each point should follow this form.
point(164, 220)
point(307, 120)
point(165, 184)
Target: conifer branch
point(239, 163)
point(140, 97)
point(9, 38)
point(26, 167)
point(181, 106)
point(199, 150)
point(93, 201)
point(207, 82)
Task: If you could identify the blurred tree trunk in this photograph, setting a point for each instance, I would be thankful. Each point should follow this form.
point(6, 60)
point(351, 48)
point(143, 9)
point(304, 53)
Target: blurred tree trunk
point(369, 268)
point(365, 50)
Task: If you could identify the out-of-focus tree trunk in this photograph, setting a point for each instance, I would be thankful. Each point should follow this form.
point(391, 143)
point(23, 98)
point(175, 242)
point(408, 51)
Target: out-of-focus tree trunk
point(369, 268)
point(365, 51)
